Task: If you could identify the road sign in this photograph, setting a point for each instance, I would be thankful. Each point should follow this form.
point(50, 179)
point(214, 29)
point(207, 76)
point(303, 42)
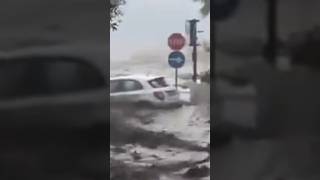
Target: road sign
point(176, 59)
point(176, 41)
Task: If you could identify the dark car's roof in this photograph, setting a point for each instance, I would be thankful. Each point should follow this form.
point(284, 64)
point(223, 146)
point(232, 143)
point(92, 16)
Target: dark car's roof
point(73, 28)
point(95, 57)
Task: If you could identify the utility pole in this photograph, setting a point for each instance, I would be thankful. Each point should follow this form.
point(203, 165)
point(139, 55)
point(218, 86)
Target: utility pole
point(272, 42)
point(194, 44)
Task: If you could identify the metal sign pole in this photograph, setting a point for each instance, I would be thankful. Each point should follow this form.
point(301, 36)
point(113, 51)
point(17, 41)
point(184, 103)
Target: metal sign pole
point(193, 43)
point(176, 78)
point(194, 59)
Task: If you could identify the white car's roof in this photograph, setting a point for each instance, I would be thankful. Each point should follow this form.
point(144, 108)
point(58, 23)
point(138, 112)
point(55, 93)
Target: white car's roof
point(136, 77)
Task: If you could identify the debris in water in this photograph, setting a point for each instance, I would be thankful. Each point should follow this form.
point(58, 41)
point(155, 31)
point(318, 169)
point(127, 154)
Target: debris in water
point(202, 171)
point(136, 156)
point(119, 150)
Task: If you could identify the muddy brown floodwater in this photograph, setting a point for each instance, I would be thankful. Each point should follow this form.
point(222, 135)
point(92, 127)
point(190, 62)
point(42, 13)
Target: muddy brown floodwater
point(160, 144)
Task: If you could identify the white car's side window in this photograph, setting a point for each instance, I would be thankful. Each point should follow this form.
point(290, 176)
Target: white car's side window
point(131, 85)
point(114, 86)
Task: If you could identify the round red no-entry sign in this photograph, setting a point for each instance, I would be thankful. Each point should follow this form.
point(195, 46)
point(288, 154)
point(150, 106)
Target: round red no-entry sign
point(176, 41)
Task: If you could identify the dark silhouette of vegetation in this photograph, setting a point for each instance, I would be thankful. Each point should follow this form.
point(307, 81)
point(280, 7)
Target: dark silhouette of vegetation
point(115, 13)
point(205, 9)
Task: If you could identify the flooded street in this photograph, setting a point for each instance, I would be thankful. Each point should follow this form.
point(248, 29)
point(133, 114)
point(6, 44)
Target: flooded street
point(168, 144)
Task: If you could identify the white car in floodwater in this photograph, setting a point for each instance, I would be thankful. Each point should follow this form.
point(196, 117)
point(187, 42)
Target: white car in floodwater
point(143, 90)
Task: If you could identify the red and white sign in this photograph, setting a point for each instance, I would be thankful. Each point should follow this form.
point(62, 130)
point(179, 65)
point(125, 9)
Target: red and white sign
point(176, 41)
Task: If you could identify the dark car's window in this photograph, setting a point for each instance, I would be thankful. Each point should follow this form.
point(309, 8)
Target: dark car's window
point(34, 76)
point(158, 83)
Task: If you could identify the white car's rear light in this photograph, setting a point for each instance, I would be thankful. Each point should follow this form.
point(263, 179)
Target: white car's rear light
point(159, 95)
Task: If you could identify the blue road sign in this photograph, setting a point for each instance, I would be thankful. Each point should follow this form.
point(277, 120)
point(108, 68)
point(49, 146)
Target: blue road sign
point(176, 59)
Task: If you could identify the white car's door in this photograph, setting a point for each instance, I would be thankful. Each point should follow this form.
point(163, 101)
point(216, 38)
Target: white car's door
point(127, 91)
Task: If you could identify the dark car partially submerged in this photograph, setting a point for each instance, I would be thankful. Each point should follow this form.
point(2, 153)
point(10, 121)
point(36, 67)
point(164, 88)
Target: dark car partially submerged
point(51, 89)
point(53, 103)
point(53, 111)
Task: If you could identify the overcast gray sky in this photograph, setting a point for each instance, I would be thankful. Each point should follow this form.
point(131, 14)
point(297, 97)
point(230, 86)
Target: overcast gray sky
point(146, 25)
